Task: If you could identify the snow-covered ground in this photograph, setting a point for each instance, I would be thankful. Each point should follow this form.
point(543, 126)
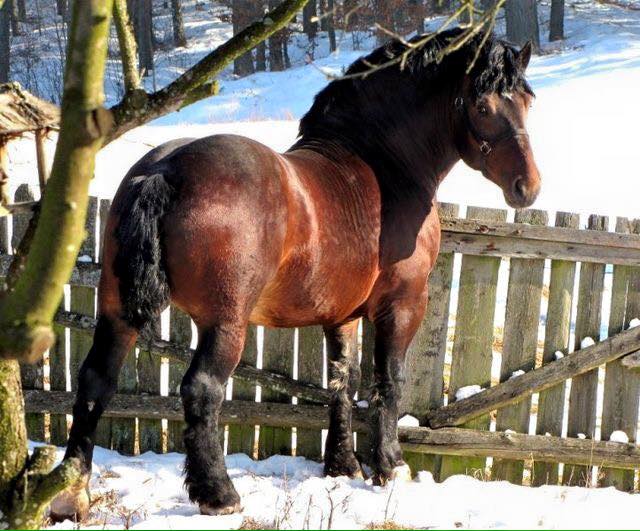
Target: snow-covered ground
point(584, 131)
point(145, 492)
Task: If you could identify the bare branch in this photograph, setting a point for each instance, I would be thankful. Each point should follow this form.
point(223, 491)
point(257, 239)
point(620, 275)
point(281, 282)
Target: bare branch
point(127, 44)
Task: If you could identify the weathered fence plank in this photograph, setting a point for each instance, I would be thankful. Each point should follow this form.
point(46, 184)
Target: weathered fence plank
point(583, 395)
point(277, 355)
point(242, 438)
point(58, 382)
point(423, 390)
point(472, 345)
point(148, 371)
point(621, 386)
point(31, 374)
point(452, 441)
point(179, 333)
point(103, 430)
point(556, 339)
point(310, 370)
point(524, 295)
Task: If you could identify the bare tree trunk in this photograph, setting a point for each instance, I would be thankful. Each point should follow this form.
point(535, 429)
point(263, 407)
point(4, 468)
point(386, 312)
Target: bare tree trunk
point(15, 17)
point(384, 18)
point(61, 6)
point(309, 26)
point(145, 36)
point(522, 22)
point(556, 23)
point(179, 38)
point(242, 15)
point(276, 51)
point(261, 57)
point(5, 42)
point(330, 25)
point(22, 11)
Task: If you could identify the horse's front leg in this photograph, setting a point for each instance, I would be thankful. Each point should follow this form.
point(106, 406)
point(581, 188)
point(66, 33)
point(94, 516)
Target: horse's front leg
point(344, 380)
point(396, 323)
point(202, 390)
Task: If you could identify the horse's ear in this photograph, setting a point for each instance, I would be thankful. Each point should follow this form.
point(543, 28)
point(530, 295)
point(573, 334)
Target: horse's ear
point(524, 56)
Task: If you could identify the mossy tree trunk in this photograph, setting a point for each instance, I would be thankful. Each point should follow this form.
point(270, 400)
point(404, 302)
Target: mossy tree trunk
point(27, 483)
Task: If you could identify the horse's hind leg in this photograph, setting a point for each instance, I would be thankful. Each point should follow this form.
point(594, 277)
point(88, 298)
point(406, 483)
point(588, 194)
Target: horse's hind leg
point(344, 380)
point(203, 388)
point(97, 381)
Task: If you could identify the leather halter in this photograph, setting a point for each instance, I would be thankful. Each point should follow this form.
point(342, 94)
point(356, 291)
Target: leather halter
point(486, 146)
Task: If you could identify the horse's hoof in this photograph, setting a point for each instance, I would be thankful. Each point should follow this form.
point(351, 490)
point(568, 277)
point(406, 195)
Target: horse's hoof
point(398, 473)
point(351, 469)
point(72, 503)
point(401, 473)
point(211, 510)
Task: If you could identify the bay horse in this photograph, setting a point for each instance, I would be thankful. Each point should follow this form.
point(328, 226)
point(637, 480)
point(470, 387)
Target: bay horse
point(343, 225)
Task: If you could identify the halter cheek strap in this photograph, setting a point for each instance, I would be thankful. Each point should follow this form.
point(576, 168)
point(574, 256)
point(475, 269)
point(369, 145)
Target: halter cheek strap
point(486, 146)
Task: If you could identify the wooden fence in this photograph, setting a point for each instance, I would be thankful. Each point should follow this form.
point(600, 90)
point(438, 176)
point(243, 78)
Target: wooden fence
point(505, 298)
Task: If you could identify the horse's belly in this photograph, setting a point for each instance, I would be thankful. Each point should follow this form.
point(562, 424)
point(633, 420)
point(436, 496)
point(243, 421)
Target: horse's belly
point(302, 296)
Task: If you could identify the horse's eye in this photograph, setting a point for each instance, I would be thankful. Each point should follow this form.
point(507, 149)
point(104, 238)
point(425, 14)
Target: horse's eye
point(482, 109)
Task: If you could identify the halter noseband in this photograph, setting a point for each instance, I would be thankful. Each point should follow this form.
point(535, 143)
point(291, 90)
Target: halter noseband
point(486, 146)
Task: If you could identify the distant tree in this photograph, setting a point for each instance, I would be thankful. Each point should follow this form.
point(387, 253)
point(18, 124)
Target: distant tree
point(61, 6)
point(556, 22)
point(261, 57)
point(310, 26)
point(5, 41)
point(22, 10)
point(276, 46)
point(331, 29)
point(179, 38)
point(242, 14)
point(141, 17)
point(15, 17)
point(383, 14)
point(522, 22)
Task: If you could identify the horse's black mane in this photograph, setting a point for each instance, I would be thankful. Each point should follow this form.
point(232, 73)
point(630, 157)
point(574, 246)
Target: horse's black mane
point(495, 69)
point(400, 119)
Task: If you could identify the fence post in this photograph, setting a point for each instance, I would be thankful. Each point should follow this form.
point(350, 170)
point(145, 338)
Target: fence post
point(582, 399)
point(242, 438)
point(556, 338)
point(520, 343)
point(621, 386)
point(31, 374)
point(473, 341)
point(423, 389)
point(180, 333)
point(310, 369)
point(277, 355)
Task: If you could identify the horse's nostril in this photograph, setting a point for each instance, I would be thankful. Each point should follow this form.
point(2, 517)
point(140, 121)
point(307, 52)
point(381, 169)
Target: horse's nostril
point(520, 187)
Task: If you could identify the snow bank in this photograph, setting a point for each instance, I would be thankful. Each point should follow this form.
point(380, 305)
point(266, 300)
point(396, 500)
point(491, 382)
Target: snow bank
point(291, 493)
point(619, 436)
point(587, 342)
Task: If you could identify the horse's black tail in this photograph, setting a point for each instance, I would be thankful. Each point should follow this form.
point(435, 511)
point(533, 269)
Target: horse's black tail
point(139, 265)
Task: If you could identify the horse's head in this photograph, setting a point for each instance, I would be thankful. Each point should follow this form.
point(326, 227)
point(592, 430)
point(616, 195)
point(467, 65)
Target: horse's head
point(491, 113)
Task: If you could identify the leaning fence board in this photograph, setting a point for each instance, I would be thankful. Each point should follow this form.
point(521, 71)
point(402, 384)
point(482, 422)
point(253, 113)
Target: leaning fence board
point(556, 339)
point(453, 441)
point(277, 355)
point(547, 376)
point(148, 373)
point(242, 438)
point(179, 333)
point(621, 386)
point(423, 390)
point(182, 353)
point(310, 369)
point(583, 395)
point(520, 342)
point(31, 374)
point(472, 344)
